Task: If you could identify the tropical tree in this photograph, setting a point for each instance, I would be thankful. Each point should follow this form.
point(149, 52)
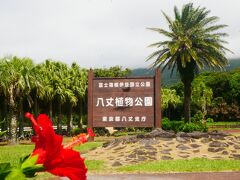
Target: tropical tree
point(201, 96)
point(15, 83)
point(62, 88)
point(55, 80)
point(78, 85)
point(46, 93)
point(193, 42)
point(169, 98)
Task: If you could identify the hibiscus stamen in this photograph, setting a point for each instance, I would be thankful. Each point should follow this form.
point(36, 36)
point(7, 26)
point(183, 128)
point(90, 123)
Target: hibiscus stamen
point(34, 122)
point(80, 139)
point(31, 117)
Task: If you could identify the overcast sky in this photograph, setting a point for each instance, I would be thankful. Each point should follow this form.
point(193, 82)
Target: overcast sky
point(97, 33)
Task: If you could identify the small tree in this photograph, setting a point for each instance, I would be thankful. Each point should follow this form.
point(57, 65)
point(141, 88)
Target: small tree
point(202, 96)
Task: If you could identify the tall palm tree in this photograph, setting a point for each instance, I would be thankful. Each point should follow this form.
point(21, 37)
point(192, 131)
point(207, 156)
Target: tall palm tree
point(15, 80)
point(55, 80)
point(3, 93)
point(46, 92)
point(194, 41)
point(62, 89)
point(78, 85)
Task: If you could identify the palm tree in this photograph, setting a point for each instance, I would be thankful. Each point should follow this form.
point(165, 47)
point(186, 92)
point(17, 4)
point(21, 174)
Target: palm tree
point(62, 90)
point(194, 41)
point(56, 86)
point(78, 85)
point(46, 92)
point(15, 81)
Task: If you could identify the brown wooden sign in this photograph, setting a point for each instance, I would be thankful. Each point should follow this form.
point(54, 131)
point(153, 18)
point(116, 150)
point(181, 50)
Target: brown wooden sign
point(124, 102)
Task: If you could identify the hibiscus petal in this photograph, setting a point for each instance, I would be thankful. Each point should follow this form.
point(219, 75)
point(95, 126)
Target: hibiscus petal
point(72, 165)
point(55, 158)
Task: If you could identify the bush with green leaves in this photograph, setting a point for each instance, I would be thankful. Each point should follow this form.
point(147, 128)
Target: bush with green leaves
point(191, 127)
point(180, 126)
point(171, 125)
point(209, 120)
point(198, 117)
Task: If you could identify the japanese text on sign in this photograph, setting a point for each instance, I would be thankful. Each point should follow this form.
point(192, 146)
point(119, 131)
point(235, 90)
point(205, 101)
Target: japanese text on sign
point(124, 101)
point(124, 119)
point(124, 84)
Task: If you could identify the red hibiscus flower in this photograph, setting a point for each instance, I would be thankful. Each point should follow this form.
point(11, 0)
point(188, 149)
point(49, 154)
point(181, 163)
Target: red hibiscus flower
point(58, 160)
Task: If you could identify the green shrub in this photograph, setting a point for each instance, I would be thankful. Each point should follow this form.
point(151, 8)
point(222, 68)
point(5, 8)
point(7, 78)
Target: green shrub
point(190, 127)
point(180, 126)
point(171, 125)
point(209, 120)
point(198, 117)
point(131, 131)
point(166, 124)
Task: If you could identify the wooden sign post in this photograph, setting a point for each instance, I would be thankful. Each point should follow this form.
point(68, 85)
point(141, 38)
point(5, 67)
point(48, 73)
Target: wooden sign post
point(124, 102)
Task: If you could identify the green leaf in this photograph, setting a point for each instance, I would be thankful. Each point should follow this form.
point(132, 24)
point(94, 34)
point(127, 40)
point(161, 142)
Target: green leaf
point(3, 132)
point(15, 174)
point(173, 48)
point(5, 169)
point(183, 62)
point(193, 54)
point(29, 166)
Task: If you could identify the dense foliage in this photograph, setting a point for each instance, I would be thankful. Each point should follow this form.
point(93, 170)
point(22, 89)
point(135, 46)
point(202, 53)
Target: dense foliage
point(215, 94)
point(180, 126)
point(51, 87)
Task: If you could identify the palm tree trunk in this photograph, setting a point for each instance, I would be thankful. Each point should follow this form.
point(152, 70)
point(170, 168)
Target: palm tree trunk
point(69, 120)
point(187, 100)
point(59, 122)
point(80, 113)
point(50, 111)
point(35, 104)
point(13, 118)
point(5, 114)
point(20, 116)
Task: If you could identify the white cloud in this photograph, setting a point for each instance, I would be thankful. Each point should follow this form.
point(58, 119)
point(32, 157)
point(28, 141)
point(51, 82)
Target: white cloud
point(96, 33)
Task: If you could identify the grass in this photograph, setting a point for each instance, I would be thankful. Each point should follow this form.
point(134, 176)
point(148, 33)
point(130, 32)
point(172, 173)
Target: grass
point(118, 134)
point(192, 165)
point(84, 148)
point(222, 123)
point(12, 154)
point(95, 165)
point(222, 128)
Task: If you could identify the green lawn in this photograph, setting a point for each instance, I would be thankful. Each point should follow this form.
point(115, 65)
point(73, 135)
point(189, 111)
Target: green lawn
point(192, 165)
point(84, 148)
point(222, 123)
point(13, 153)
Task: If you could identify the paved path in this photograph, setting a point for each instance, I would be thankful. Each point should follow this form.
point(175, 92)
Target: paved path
point(171, 176)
